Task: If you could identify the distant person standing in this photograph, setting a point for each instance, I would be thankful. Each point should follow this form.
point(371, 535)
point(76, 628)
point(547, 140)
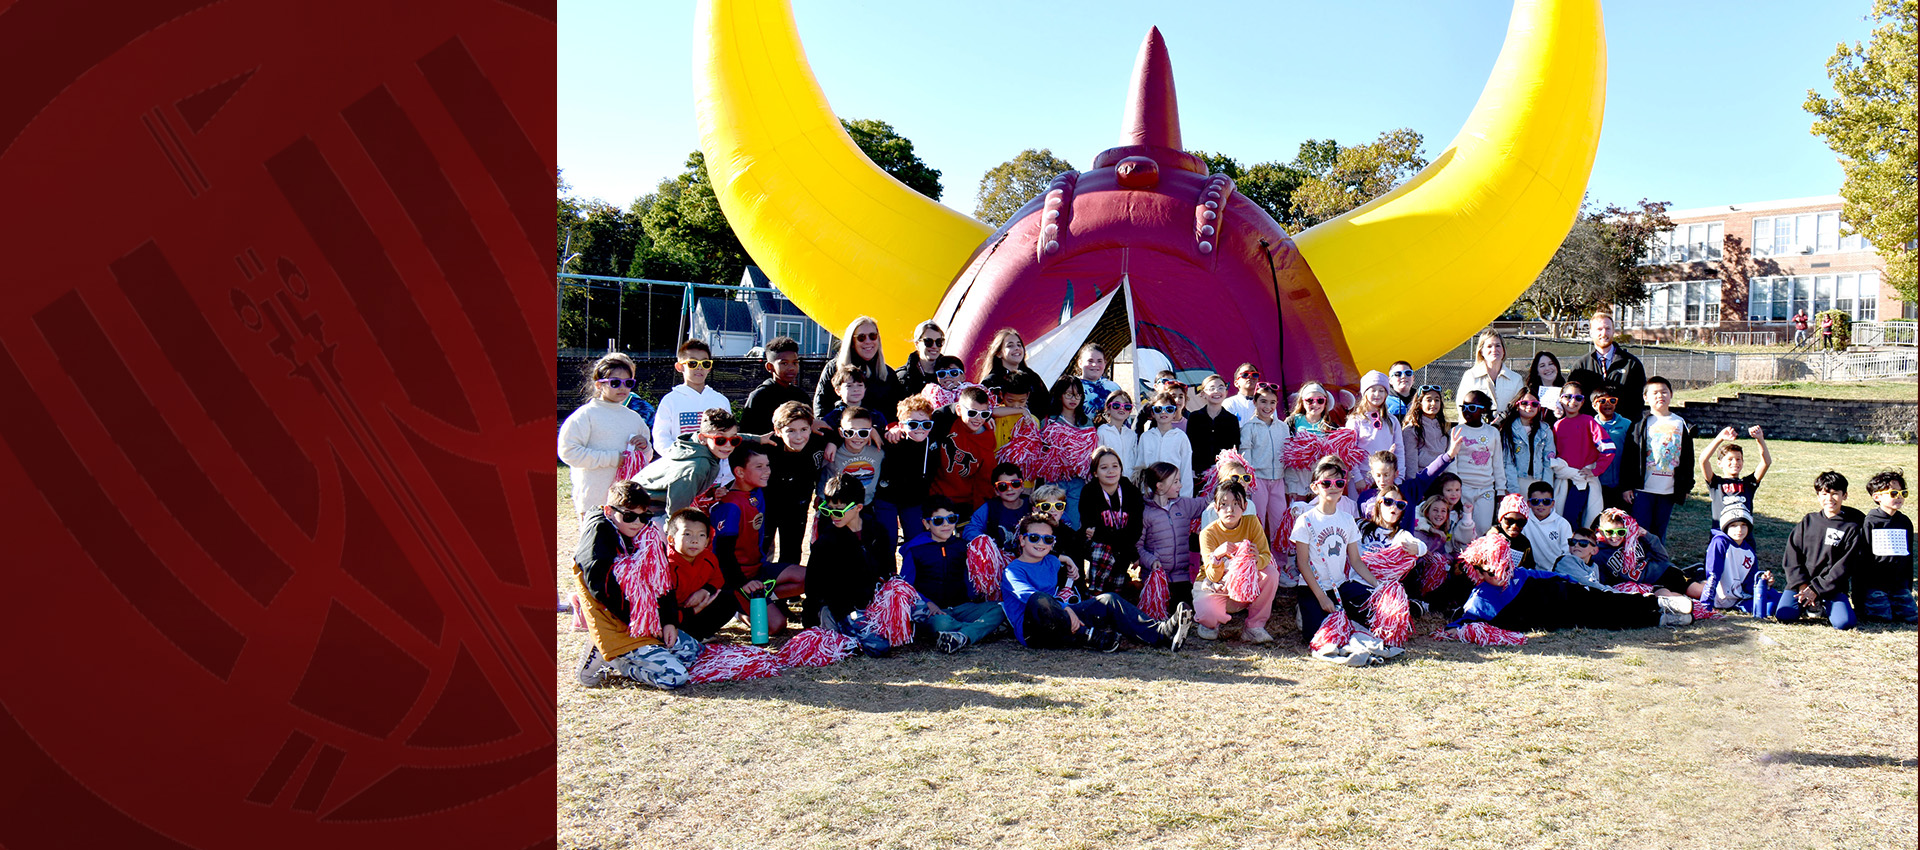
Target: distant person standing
point(1800, 326)
point(1618, 366)
point(1826, 332)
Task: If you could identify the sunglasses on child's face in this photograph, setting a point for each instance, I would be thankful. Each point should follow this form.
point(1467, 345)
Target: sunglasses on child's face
point(834, 513)
point(918, 424)
point(697, 364)
point(1165, 408)
point(1397, 504)
point(1513, 519)
point(1540, 503)
point(943, 519)
point(629, 383)
point(1316, 402)
point(718, 440)
point(948, 373)
point(1897, 494)
point(934, 343)
point(862, 433)
point(1475, 408)
point(1579, 544)
point(1237, 478)
point(1613, 532)
point(1122, 406)
point(866, 337)
point(628, 516)
point(1331, 483)
point(973, 413)
point(1526, 405)
point(1401, 373)
point(1049, 507)
point(1007, 486)
point(1045, 539)
point(1573, 397)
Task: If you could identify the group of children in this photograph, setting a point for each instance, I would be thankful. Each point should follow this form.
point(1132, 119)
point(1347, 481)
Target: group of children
point(1549, 510)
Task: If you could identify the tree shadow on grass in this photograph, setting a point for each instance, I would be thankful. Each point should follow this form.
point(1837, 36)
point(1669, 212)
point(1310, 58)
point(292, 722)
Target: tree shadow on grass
point(1834, 760)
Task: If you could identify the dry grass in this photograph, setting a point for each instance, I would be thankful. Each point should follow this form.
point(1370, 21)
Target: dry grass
point(1732, 733)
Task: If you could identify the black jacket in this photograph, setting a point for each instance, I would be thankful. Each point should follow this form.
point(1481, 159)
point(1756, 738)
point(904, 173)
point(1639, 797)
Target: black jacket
point(1825, 551)
point(912, 378)
point(601, 545)
point(904, 473)
point(844, 568)
point(883, 390)
point(1625, 372)
point(1208, 435)
point(1124, 540)
point(757, 416)
point(1888, 571)
point(1633, 461)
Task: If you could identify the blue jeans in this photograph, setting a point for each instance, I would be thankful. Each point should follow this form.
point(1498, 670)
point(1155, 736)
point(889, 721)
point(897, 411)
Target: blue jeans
point(976, 620)
point(1350, 596)
point(898, 523)
point(1574, 506)
point(1886, 603)
point(1838, 610)
point(1653, 511)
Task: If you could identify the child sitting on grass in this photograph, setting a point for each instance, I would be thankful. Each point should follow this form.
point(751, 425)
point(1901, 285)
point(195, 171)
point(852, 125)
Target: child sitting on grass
point(1732, 578)
point(1029, 588)
point(1217, 541)
point(607, 536)
point(935, 563)
point(1326, 544)
point(704, 608)
point(848, 558)
point(1824, 550)
point(1629, 555)
point(1884, 590)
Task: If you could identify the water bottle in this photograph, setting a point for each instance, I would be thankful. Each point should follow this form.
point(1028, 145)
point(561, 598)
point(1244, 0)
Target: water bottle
point(757, 613)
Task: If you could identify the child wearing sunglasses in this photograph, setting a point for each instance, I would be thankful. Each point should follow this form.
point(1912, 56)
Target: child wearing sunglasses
point(1263, 436)
point(1607, 414)
point(1884, 589)
point(847, 559)
point(1029, 596)
point(906, 472)
point(1166, 444)
point(611, 533)
point(1385, 524)
point(1326, 544)
point(1400, 389)
point(1114, 433)
point(1312, 413)
point(1577, 564)
point(1164, 381)
point(1246, 381)
point(1057, 503)
point(963, 450)
point(680, 409)
point(692, 462)
point(1527, 445)
point(1547, 531)
point(1586, 452)
point(596, 433)
point(1212, 606)
point(1481, 461)
point(857, 455)
point(1629, 555)
point(935, 563)
point(1000, 518)
point(949, 374)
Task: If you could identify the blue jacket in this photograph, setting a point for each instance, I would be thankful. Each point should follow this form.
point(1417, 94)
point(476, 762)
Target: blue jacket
point(1486, 600)
point(1717, 550)
point(1658, 562)
point(1021, 580)
point(996, 519)
point(938, 570)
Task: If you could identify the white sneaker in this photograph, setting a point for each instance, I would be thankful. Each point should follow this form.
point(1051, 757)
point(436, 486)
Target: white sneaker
point(1205, 632)
point(1675, 610)
point(1255, 634)
point(1360, 659)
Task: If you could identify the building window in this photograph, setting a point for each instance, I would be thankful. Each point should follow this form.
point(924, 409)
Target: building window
point(1806, 233)
point(784, 328)
point(1779, 298)
point(1686, 243)
point(1692, 303)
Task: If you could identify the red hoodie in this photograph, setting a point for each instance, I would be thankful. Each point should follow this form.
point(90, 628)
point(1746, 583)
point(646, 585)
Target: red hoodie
point(692, 575)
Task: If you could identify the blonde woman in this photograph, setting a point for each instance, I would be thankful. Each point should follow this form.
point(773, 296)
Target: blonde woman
point(860, 346)
point(1490, 374)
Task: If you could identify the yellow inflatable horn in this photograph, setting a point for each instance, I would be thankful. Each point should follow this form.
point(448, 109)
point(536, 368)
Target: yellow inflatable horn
point(1417, 270)
point(839, 236)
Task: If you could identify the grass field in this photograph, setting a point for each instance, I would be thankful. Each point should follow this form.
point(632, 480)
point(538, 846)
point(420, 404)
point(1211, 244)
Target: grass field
point(1727, 733)
point(1871, 390)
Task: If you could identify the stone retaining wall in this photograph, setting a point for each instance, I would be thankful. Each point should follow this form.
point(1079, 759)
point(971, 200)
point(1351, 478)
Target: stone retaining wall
point(1796, 418)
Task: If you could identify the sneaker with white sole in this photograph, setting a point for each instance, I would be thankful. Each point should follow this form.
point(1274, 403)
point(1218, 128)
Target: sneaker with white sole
point(951, 642)
point(1205, 632)
point(1675, 611)
point(1360, 659)
point(1177, 626)
point(593, 671)
point(1255, 634)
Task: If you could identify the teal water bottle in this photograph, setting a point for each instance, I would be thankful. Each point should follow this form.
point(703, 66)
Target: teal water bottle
point(757, 612)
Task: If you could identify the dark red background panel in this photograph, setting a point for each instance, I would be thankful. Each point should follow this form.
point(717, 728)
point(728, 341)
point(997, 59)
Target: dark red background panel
point(276, 428)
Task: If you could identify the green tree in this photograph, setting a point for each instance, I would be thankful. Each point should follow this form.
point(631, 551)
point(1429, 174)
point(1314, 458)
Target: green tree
point(685, 235)
point(893, 153)
point(1598, 264)
point(1355, 175)
point(1011, 184)
point(1870, 123)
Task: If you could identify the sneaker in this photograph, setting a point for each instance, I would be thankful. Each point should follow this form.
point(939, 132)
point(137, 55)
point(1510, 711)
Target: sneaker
point(1105, 640)
point(593, 671)
point(1419, 609)
point(1360, 659)
point(951, 642)
point(1257, 635)
point(828, 622)
point(1205, 632)
point(1175, 628)
point(1675, 610)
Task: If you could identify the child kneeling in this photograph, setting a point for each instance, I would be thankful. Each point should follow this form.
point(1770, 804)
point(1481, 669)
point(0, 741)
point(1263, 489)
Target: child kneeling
point(1217, 541)
point(612, 649)
point(1029, 588)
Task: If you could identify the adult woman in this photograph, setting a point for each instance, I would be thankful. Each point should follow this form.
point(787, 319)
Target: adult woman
point(860, 346)
point(928, 340)
point(1490, 374)
point(1005, 365)
point(1544, 380)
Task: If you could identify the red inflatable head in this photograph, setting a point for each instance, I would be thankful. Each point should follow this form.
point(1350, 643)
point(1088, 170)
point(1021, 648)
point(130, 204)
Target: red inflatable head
point(1145, 242)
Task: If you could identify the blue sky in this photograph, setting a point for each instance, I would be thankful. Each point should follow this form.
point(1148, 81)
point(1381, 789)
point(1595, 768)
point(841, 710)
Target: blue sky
point(1703, 97)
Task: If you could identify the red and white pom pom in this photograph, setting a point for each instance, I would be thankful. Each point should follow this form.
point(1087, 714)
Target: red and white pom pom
point(891, 611)
point(1344, 444)
point(579, 613)
point(1334, 631)
point(815, 647)
point(1389, 614)
point(1433, 572)
point(1481, 634)
point(1064, 451)
point(1633, 587)
point(1023, 447)
point(631, 462)
point(1243, 573)
point(985, 562)
point(1389, 563)
point(1303, 450)
point(644, 577)
point(725, 663)
point(1703, 611)
point(1490, 559)
point(1155, 595)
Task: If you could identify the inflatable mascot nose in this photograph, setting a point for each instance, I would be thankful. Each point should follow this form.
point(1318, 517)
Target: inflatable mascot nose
point(1146, 249)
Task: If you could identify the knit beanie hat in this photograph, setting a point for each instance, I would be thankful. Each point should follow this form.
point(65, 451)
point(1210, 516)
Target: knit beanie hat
point(1732, 514)
point(1375, 378)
